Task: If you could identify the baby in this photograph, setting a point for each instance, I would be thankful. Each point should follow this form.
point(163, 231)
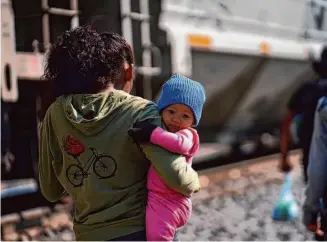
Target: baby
point(180, 104)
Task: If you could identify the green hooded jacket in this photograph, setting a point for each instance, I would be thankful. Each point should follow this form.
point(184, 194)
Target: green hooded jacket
point(85, 152)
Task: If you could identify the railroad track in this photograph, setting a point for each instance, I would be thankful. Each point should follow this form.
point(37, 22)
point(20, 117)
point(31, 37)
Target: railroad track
point(240, 176)
point(212, 155)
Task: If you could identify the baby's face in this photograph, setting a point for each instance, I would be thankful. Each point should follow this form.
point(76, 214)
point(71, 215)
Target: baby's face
point(177, 117)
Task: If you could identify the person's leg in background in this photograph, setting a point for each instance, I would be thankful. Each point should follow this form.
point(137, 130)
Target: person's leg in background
point(324, 215)
point(305, 162)
point(323, 226)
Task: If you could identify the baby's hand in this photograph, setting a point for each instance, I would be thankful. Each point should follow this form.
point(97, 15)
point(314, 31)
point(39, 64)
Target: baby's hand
point(141, 131)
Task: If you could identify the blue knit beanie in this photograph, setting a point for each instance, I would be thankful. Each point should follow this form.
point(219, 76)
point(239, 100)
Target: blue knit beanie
point(182, 90)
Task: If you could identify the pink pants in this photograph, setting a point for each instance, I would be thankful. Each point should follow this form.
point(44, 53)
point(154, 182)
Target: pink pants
point(164, 214)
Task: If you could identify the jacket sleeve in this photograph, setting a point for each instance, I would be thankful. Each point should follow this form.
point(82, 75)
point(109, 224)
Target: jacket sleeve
point(50, 187)
point(317, 179)
point(172, 168)
point(180, 142)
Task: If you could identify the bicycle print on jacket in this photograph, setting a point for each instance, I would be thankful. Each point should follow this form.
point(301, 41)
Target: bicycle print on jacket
point(104, 166)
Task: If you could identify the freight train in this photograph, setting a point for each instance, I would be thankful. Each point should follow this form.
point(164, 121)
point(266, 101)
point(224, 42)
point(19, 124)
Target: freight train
point(249, 56)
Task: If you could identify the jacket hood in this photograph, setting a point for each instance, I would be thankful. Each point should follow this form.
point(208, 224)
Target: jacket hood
point(91, 113)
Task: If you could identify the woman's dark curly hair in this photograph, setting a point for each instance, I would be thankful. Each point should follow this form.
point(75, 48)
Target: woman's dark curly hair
point(112, 40)
point(84, 61)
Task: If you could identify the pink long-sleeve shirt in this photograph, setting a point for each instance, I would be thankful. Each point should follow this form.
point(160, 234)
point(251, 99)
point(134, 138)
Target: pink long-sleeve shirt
point(167, 209)
point(184, 142)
